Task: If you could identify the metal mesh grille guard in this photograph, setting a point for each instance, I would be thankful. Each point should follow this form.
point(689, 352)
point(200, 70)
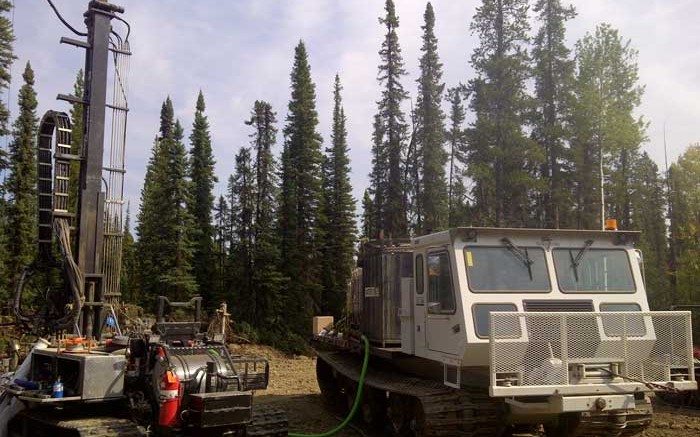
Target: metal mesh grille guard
point(540, 352)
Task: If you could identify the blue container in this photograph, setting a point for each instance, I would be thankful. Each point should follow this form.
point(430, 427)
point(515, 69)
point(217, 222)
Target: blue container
point(57, 389)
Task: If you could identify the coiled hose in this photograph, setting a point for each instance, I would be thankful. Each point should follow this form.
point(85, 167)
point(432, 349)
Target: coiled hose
point(355, 404)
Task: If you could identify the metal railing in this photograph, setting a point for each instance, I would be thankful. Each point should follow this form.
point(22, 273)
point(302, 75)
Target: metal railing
point(536, 349)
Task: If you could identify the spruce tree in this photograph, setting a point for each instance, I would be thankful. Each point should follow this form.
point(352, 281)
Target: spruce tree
point(389, 137)
point(647, 190)
point(300, 198)
point(368, 217)
point(76, 116)
point(202, 178)
point(457, 140)
point(554, 80)
point(501, 158)
point(606, 135)
point(339, 209)
point(431, 133)
point(266, 277)
point(165, 224)
point(128, 284)
point(177, 277)
point(6, 59)
point(684, 210)
point(221, 220)
point(242, 191)
point(21, 182)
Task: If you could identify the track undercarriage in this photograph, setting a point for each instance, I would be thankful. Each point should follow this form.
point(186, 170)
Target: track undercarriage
point(411, 406)
point(51, 422)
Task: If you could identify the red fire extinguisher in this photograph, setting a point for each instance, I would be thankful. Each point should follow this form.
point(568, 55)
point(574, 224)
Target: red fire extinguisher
point(170, 398)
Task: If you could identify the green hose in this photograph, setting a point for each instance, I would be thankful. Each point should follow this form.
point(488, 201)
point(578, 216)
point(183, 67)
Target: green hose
point(355, 404)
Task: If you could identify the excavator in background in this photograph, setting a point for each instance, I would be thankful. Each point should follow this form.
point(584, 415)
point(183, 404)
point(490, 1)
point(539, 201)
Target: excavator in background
point(85, 376)
point(502, 332)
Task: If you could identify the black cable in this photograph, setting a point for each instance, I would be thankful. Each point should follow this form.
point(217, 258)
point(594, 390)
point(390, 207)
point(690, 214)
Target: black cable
point(65, 23)
point(128, 27)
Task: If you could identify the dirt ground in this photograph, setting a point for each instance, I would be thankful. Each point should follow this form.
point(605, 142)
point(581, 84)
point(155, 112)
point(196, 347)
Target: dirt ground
point(293, 388)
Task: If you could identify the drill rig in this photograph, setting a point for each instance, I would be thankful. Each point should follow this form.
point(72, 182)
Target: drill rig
point(170, 380)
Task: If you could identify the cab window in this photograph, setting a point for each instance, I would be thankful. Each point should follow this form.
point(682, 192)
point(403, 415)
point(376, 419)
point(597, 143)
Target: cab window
point(581, 270)
point(506, 269)
point(441, 298)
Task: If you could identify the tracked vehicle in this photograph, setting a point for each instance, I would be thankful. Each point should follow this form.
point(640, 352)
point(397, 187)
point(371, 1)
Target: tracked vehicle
point(487, 332)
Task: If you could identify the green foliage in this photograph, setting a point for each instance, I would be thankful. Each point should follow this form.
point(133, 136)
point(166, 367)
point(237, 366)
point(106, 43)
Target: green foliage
point(389, 137)
point(266, 279)
point(605, 132)
point(648, 206)
point(165, 224)
point(241, 188)
point(300, 200)
point(684, 214)
point(21, 182)
point(432, 195)
point(501, 159)
point(76, 116)
point(7, 57)
point(554, 80)
point(128, 284)
point(338, 226)
point(456, 136)
point(201, 173)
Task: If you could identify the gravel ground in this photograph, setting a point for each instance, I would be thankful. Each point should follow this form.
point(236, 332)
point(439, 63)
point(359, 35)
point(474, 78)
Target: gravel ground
point(293, 388)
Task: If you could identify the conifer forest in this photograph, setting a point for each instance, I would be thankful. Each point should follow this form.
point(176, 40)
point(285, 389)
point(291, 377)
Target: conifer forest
point(545, 134)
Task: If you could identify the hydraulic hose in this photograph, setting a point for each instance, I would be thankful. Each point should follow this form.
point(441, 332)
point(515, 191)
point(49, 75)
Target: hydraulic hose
point(355, 404)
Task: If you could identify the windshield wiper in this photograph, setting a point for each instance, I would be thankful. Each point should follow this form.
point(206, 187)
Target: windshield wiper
point(575, 261)
point(519, 253)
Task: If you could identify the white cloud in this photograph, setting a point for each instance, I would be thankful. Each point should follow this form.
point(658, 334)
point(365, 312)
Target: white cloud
point(240, 51)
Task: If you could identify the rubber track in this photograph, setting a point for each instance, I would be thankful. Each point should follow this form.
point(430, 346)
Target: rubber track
point(268, 422)
point(87, 426)
point(467, 412)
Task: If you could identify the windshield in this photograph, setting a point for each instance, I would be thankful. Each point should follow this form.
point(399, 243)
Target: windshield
point(504, 269)
point(597, 270)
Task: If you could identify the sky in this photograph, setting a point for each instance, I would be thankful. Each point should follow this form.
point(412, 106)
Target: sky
point(239, 51)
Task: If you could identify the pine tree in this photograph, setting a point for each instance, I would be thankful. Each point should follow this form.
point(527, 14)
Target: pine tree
point(266, 278)
point(368, 217)
point(242, 191)
point(177, 277)
point(457, 139)
point(431, 132)
point(554, 80)
point(6, 59)
point(648, 208)
point(389, 137)
point(501, 158)
point(606, 136)
point(76, 116)
point(301, 198)
point(339, 209)
point(202, 201)
point(21, 182)
point(221, 220)
point(684, 214)
point(128, 284)
point(165, 224)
